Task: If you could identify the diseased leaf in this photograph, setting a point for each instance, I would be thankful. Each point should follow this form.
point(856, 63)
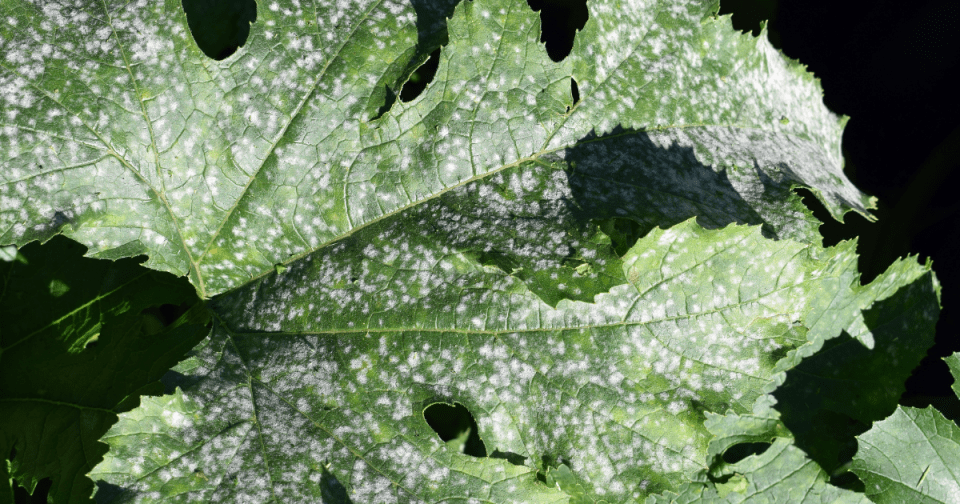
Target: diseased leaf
point(594, 279)
point(780, 474)
point(839, 392)
point(896, 317)
point(76, 348)
point(912, 456)
point(125, 137)
point(616, 391)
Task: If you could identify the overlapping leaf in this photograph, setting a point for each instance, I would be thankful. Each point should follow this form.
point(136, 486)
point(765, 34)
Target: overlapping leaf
point(808, 412)
point(79, 344)
point(327, 367)
point(477, 245)
point(780, 474)
point(120, 133)
point(912, 456)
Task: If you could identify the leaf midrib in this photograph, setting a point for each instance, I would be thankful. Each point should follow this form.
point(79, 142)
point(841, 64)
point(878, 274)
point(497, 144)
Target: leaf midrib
point(532, 158)
point(162, 194)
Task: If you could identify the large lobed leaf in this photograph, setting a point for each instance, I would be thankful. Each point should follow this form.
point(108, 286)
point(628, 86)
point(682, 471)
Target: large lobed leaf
point(121, 134)
point(492, 243)
point(325, 368)
point(805, 427)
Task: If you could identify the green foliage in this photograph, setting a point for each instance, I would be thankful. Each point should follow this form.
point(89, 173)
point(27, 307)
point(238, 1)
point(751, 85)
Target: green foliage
point(924, 472)
point(80, 341)
point(616, 290)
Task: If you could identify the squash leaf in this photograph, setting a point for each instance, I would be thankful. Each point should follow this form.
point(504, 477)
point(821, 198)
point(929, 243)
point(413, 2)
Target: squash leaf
point(913, 455)
point(121, 134)
point(594, 275)
point(334, 353)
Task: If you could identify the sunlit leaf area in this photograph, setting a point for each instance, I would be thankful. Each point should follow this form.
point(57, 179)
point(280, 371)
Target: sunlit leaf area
point(458, 251)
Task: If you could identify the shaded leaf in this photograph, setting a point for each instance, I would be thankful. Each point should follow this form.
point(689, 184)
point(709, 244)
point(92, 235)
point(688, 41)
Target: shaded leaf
point(76, 348)
point(590, 255)
point(616, 391)
point(780, 474)
point(838, 393)
point(912, 456)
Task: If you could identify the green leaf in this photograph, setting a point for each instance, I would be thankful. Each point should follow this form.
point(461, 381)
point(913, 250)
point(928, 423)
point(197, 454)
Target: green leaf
point(616, 391)
point(807, 409)
point(124, 136)
point(76, 348)
point(592, 279)
point(563, 479)
point(912, 456)
point(781, 474)
point(838, 393)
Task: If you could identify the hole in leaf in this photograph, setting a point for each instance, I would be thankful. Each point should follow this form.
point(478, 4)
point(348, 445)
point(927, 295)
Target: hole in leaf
point(391, 98)
point(108, 492)
point(40, 493)
point(623, 233)
point(574, 91)
point(514, 458)
point(420, 77)
point(849, 481)
point(61, 218)
point(220, 27)
point(456, 427)
point(560, 21)
point(738, 452)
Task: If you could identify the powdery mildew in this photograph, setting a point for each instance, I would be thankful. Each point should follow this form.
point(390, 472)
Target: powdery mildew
point(331, 363)
point(448, 250)
point(119, 133)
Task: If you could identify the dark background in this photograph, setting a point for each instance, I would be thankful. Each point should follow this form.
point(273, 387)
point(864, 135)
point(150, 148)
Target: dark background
point(891, 66)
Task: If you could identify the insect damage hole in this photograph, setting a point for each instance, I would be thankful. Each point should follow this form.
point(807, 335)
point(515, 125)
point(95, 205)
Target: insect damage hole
point(421, 77)
point(456, 427)
point(560, 20)
point(738, 452)
point(220, 27)
point(574, 93)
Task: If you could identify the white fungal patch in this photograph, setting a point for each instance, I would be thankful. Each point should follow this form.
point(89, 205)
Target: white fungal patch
point(538, 379)
point(449, 249)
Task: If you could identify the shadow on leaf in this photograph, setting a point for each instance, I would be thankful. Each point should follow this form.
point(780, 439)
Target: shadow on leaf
point(836, 394)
